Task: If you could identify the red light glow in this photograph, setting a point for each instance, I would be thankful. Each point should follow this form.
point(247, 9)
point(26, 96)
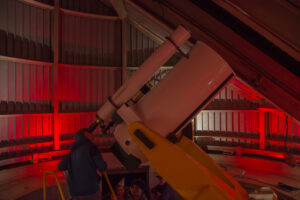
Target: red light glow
point(225, 187)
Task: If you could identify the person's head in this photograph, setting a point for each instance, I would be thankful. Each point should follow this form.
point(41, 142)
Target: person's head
point(119, 188)
point(161, 181)
point(137, 187)
point(157, 190)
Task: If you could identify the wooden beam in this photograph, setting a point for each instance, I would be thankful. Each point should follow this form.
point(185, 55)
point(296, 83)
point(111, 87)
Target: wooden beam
point(210, 141)
point(54, 77)
point(67, 11)
point(24, 141)
point(162, 67)
point(255, 23)
point(37, 4)
point(75, 113)
point(93, 16)
point(122, 13)
point(236, 105)
point(124, 49)
point(147, 32)
point(25, 61)
point(239, 86)
point(113, 68)
point(281, 138)
point(26, 115)
point(119, 8)
point(227, 134)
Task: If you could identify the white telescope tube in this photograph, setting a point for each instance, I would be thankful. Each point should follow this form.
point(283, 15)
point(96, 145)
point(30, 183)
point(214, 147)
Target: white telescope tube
point(144, 73)
point(183, 93)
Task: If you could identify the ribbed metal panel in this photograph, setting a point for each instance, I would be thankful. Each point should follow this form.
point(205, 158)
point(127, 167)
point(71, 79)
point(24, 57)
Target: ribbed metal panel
point(229, 94)
point(225, 121)
point(88, 85)
point(20, 82)
point(277, 133)
point(71, 123)
point(277, 124)
point(25, 31)
point(228, 121)
point(18, 127)
point(246, 121)
point(26, 84)
point(140, 47)
point(237, 121)
point(89, 41)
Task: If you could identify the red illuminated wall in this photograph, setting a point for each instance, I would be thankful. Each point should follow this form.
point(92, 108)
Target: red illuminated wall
point(140, 47)
point(83, 91)
point(238, 116)
point(88, 72)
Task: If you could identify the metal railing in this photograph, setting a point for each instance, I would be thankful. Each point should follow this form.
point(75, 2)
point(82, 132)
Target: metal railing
point(57, 183)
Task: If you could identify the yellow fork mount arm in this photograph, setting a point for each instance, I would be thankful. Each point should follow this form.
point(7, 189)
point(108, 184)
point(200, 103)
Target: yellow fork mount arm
point(192, 173)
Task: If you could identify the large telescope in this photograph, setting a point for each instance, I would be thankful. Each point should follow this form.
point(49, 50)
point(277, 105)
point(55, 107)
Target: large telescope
point(148, 128)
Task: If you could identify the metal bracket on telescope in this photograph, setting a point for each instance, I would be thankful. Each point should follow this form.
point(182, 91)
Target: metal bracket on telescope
point(177, 47)
point(112, 102)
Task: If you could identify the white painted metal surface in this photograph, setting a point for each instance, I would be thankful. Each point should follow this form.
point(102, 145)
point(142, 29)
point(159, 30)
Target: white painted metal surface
point(170, 105)
point(186, 87)
point(157, 59)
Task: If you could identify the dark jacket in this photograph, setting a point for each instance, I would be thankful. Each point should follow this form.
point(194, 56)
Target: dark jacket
point(82, 164)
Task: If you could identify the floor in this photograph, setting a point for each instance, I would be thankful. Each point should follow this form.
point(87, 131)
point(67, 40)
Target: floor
point(253, 171)
point(26, 182)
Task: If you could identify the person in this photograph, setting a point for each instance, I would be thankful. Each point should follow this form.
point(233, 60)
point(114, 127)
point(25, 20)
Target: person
point(120, 190)
point(163, 191)
point(137, 190)
point(82, 164)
